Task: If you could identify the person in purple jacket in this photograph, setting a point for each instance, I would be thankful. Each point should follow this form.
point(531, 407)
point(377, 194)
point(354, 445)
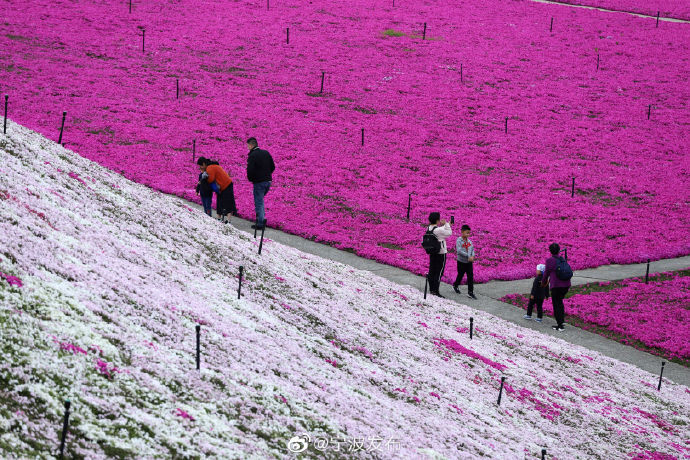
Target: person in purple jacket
point(559, 287)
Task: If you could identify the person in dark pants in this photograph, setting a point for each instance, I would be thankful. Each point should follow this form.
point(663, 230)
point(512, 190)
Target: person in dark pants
point(465, 255)
point(260, 169)
point(437, 262)
point(538, 294)
point(221, 183)
point(203, 189)
point(559, 287)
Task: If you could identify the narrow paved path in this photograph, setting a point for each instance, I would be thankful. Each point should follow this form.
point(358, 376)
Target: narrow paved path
point(489, 293)
point(641, 15)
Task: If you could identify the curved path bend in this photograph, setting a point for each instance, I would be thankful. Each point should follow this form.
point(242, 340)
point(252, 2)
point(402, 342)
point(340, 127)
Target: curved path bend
point(489, 293)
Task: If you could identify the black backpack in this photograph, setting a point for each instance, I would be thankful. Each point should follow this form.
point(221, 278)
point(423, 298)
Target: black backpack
point(563, 270)
point(430, 243)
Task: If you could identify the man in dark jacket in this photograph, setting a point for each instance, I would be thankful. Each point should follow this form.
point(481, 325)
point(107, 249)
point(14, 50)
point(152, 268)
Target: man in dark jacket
point(559, 287)
point(260, 168)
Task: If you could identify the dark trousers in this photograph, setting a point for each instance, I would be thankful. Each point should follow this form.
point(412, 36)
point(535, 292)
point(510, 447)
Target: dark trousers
point(207, 201)
point(539, 303)
point(465, 267)
point(437, 264)
point(557, 296)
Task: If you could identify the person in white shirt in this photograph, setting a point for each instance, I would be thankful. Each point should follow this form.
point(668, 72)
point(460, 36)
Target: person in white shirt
point(437, 262)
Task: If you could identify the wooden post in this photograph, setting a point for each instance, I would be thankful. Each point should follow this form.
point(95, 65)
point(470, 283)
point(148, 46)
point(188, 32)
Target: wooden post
point(657, 18)
point(362, 137)
point(646, 276)
point(551, 28)
point(506, 125)
point(649, 111)
point(65, 424)
point(193, 150)
point(597, 61)
point(424, 33)
point(62, 127)
point(239, 286)
point(323, 75)
point(461, 80)
point(471, 327)
point(409, 203)
point(143, 40)
point(661, 376)
point(177, 88)
point(198, 347)
point(288, 35)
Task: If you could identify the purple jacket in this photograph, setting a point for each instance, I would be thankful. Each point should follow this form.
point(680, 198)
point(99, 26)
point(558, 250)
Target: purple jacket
point(550, 274)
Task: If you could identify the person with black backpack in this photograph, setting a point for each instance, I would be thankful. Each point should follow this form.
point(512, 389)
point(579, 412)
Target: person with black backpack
point(558, 274)
point(434, 243)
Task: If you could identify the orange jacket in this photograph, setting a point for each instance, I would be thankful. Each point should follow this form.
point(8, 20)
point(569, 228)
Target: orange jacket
point(218, 175)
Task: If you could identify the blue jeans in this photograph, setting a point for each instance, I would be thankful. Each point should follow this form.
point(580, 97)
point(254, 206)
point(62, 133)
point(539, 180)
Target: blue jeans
point(206, 201)
point(260, 190)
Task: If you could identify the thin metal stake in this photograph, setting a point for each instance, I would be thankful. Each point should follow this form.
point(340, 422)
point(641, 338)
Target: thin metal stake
point(4, 124)
point(261, 243)
point(62, 127)
point(198, 348)
point(500, 391)
point(65, 424)
point(323, 75)
point(661, 376)
point(471, 327)
point(239, 287)
point(424, 33)
point(646, 276)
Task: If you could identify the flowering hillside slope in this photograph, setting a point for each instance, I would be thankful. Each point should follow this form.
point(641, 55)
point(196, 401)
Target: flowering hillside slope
point(103, 282)
point(433, 108)
point(654, 317)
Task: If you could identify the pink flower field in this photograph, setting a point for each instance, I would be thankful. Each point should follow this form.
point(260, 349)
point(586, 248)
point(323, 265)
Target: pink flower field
point(654, 317)
point(433, 112)
point(678, 9)
point(101, 297)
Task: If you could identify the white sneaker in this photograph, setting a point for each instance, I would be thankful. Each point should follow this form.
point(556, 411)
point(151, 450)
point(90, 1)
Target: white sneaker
point(527, 317)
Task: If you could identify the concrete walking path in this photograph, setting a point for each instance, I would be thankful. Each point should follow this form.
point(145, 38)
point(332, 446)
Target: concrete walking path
point(632, 13)
point(489, 293)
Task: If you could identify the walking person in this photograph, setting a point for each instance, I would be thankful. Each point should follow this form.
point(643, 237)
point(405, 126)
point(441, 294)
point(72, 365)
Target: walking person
point(465, 255)
point(438, 230)
point(557, 272)
point(221, 183)
point(538, 294)
point(260, 169)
